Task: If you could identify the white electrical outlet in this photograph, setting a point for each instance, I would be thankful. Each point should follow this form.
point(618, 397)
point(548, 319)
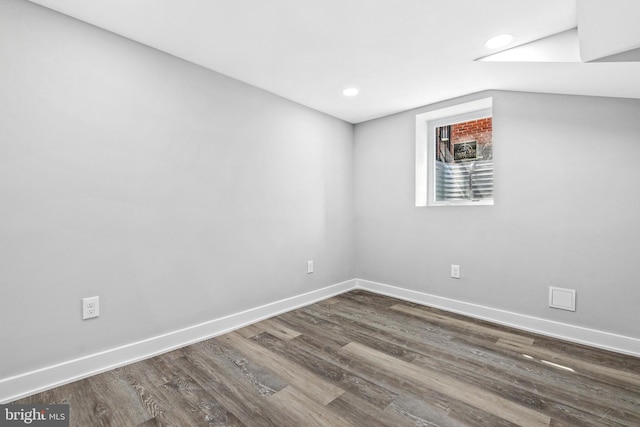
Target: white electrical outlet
point(455, 271)
point(309, 266)
point(90, 307)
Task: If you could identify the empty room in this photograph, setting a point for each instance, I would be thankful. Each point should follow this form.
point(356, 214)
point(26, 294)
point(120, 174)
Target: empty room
point(319, 213)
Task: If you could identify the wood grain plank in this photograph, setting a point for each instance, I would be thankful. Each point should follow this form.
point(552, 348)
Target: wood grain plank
point(340, 377)
point(466, 326)
point(355, 331)
point(426, 379)
point(310, 384)
point(249, 331)
point(153, 399)
point(204, 409)
point(310, 325)
point(439, 410)
point(278, 329)
point(630, 380)
point(264, 381)
point(235, 392)
point(304, 410)
point(359, 412)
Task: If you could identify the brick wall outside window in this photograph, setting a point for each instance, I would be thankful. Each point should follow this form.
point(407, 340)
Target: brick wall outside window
point(474, 130)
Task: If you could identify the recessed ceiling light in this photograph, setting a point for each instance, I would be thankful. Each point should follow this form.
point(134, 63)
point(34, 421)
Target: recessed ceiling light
point(498, 41)
point(351, 91)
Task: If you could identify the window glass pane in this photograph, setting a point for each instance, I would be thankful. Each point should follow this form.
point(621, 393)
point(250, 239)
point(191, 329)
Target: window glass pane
point(454, 155)
point(464, 160)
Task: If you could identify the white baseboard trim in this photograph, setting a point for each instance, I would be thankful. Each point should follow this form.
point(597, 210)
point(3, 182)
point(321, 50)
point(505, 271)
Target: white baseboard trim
point(577, 334)
point(28, 383)
point(36, 381)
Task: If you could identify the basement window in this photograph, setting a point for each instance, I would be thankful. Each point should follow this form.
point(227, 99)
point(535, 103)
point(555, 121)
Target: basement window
point(454, 155)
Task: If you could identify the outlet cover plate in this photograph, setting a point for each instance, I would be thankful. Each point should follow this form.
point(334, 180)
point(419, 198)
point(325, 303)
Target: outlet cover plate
point(90, 307)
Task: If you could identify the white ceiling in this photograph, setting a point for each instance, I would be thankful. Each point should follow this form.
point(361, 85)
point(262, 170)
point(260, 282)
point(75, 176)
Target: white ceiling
point(400, 53)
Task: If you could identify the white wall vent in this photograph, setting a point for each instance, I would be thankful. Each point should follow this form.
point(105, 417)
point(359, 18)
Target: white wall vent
point(564, 299)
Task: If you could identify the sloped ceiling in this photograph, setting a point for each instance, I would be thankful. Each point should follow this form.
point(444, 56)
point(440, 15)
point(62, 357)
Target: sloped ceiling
point(400, 54)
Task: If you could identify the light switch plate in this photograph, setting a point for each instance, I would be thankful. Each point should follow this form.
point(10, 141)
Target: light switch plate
point(455, 271)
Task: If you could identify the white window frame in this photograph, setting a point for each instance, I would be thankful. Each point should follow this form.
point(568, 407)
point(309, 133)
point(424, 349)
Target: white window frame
point(425, 148)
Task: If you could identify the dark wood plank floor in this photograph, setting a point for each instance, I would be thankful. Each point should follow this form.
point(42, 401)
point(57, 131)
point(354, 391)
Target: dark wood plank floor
point(361, 359)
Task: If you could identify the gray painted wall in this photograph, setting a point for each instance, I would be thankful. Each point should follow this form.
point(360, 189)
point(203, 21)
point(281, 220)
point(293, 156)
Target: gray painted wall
point(174, 193)
point(566, 211)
